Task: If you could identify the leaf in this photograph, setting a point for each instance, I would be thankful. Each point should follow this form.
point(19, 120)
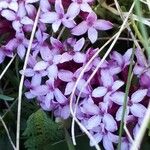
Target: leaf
point(41, 131)
point(6, 98)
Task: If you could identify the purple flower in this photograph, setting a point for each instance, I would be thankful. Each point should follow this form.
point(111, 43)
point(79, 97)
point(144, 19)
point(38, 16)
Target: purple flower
point(10, 4)
point(73, 53)
point(59, 17)
point(70, 78)
point(18, 18)
point(118, 62)
point(78, 5)
point(20, 43)
point(137, 109)
point(91, 25)
point(109, 85)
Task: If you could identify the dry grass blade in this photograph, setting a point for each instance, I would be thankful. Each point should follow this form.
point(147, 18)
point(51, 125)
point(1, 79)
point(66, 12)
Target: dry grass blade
point(22, 79)
point(6, 68)
point(6, 129)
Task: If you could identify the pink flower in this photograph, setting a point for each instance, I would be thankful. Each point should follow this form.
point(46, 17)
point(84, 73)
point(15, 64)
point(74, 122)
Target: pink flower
point(137, 109)
point(91, 25)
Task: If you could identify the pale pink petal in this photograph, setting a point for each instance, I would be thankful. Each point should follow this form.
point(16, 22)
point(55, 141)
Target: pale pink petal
point(21, 51)
point(31, 1)
point(114, 138)
point(139, 95)
point(86, 7)
point(65, 112)
point(97, 137)
point(59, 96)
point(127, 56)
point(69, 88)
point(21, 10)
point(8, 14)
point(109, 122)
point(119, 113)
point(118, 97)
point(28, 72)
point(36, 80)
point(94, 121)
point(29, 95)
point(80, 28)
point(46, 53)
point(65, 75)
point(45, 7)
point(79, 57)
point(99, 92)
point(59, 7)
point(117, 84)
point(17, 25)
point(13, 6)
point(52, 71)
point(27, 21)
point(92, 34)
point(79, 44)
point(103, 25)
point(91, 18)
point(68, 23)
point(138, 110)
point(65, 57)
point(106, 78)
point(40, 90)
point(80, 85)
point(41, 65)
point(56, 25)
point(108, 145)
point(73, 10)
point(49, 17)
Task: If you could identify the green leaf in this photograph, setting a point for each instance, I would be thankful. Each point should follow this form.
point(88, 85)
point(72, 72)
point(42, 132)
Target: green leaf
point(6, 98)
point(41, 131)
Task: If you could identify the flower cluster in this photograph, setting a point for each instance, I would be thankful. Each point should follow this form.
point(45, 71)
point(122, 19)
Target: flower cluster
point(54, 66)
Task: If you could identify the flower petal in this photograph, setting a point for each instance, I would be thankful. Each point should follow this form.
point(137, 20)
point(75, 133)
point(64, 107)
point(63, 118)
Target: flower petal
point(41, 65)
point(21, 51)
point(110, 123)
point(118, 97)
point(59, 96)
point(117, 84)
point(65, 112)
point(65, 75)
point(40, 90)
point(52, 71)
point(139, 95)
point(69, 88)
point(79, 45)
point(119, 113)
point(73, 10)
point(97, 137)
point(138, 110)
point(49, 17)
point(99, 92)
point(8, 14)
point(80, 28)
point(86, 7)
point(94, 121)
point(106, 78)
point(79, 57)
point(92, 34)
point(103, 25)
point(56, 25)
point(108, 145)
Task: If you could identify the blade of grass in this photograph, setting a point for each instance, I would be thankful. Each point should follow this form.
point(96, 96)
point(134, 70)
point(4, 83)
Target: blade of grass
point(125, 99)
point(68, 140)
point(6, 98)
point(22, 80)
point(142, 28)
